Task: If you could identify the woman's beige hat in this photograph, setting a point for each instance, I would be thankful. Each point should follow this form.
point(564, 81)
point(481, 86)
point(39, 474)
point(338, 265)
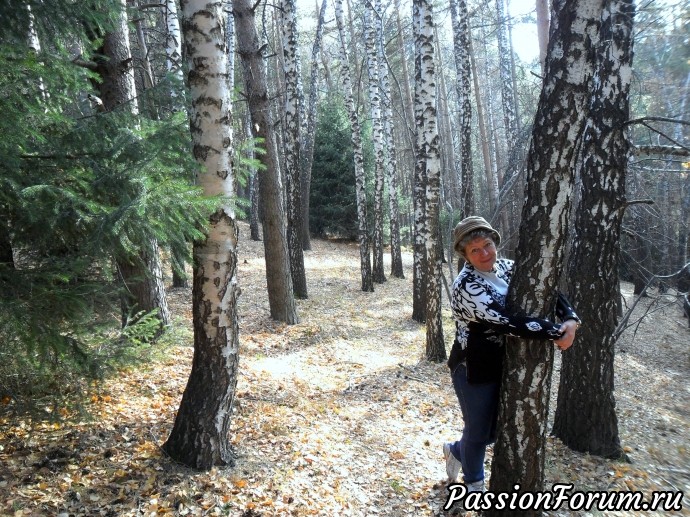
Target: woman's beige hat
point(469, 224)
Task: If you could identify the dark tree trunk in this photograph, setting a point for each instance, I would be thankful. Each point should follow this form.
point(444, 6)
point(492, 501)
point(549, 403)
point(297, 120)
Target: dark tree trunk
point(141, 276)
point(585, 417)
point(278, 278)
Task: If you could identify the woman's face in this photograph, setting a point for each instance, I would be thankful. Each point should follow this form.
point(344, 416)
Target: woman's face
point(481, 253)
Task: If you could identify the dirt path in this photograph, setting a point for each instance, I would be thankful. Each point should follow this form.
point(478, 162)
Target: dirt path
point(336, 416)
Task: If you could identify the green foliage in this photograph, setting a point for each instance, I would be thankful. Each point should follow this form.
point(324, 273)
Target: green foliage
point(333, 203)
point(78, 189)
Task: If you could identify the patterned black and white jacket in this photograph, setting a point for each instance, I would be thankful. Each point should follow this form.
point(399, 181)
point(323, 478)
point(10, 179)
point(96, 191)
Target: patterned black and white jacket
point(478, 305)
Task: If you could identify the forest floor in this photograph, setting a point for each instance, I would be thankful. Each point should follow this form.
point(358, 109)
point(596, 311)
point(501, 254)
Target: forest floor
point(338, 415)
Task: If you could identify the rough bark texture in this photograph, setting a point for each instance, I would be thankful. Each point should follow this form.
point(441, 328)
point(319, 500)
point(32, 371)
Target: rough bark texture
point(293, 102)
point(173, 40)
point(281, 299)
point(391, 162)
point(483, 132)
point(463, 70)
point(379, 274)
point(505, 68)
point(199, 438)
point(363, 233)
point(419, 264)
point(556, 139)
point(307, 156)
point(141, 275)
point(585, 417)
point(429, 158)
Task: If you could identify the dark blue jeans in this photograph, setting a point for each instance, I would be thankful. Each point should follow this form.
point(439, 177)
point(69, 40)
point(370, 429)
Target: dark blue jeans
point(479, 405)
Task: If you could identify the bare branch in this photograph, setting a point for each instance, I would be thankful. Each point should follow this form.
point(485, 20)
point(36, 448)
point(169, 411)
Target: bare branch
point(663, 150)
point(90, 65)
point(643, 120)
point(623, 325)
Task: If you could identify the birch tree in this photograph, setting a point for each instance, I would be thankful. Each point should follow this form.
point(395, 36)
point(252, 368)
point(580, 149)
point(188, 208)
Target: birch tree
point(585, 417)
point(506, 77)
point(556, 138)
point(361, 197)
point(391, 163)
point(199, 438)
point(429, 164)
point(307, 149)
point(379, 275)
point(293, 102)
point(281, 298)
point(173, 41)
point(463, 70)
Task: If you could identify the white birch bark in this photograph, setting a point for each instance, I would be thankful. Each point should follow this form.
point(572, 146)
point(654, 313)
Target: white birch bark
point(391, 163)
point(200, 435)
point(519, 452)
point(463, 70)
point(173, 40)
point(361, 197)
point(419, 268)
point(506, 76)
point(429, 158)
point(378, 138)
point(307, 155)
point(292, 143)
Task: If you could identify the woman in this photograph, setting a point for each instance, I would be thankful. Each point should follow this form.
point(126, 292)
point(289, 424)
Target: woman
point(478, 305)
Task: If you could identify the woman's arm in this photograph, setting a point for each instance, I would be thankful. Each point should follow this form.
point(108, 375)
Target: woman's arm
point(473, 302)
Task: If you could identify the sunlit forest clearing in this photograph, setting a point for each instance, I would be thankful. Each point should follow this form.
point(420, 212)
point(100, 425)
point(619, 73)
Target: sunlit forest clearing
point(337, 415)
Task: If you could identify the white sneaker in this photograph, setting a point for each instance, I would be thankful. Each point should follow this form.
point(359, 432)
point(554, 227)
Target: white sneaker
point(477, 486)
point(453, 465)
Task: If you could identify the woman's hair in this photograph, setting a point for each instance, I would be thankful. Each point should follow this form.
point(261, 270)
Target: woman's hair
point(470, 236)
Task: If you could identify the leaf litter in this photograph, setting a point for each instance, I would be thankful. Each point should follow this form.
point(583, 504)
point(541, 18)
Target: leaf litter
point(338, 415)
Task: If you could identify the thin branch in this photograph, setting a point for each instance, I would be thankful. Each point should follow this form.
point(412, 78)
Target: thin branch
point(663, 150)
point(624, 321)
point(643, 120)
point(90, 65)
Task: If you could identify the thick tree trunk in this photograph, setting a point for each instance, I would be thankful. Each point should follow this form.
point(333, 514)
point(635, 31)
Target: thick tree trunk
point(429, 158)
point(379, 274)
point(307, 155)
point(559, 124)
point(199, 438)
point(363, 233)
point(278, 278)
point(585, 417)
point(293, 102)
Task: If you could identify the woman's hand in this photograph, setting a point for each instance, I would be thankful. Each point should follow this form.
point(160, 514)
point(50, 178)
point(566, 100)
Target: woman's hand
point(568, 328)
